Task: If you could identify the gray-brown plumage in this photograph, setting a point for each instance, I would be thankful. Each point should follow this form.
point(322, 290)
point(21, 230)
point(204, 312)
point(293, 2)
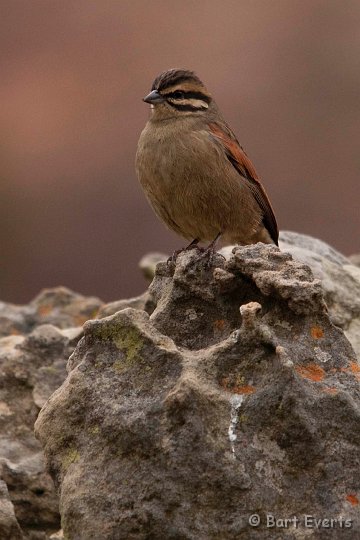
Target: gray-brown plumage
point(194, 172)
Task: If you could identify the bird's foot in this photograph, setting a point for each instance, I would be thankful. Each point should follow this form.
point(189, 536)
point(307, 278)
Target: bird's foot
point(192, 245)
point(208, 254)
point(173, 257)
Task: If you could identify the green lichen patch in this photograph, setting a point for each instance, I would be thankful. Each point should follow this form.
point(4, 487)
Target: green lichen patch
point(49, 369)
point(126, 338)
point(130, 341)
point(71, 456)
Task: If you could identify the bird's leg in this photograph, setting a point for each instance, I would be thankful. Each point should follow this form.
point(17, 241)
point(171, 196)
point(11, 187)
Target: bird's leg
point(211, 246)
point(192, 245)
point(210, 250)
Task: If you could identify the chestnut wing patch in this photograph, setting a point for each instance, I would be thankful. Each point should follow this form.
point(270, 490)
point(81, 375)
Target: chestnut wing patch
point(246, 169)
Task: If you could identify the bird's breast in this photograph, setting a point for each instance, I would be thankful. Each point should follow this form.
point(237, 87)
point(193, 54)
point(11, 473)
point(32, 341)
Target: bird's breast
point(173, 156)
point(160, 157)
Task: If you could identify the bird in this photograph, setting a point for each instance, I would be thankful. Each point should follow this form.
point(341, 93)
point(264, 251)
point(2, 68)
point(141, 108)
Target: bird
point(194, 172)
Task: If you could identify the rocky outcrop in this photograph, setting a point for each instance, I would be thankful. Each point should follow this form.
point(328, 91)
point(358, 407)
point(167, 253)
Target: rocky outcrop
point(60, 307)
point(9, 526)
point(339, 276)
point(38, 339)
point(232, 399)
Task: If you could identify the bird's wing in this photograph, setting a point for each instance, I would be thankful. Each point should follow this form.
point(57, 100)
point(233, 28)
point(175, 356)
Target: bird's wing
point(238, 158)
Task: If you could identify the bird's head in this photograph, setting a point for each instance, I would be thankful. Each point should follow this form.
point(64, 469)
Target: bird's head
point(178, 92)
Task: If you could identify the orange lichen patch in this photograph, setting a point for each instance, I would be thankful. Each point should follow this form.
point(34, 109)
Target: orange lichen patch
point(219, 324)
point(15, 332)
point(344, 369)
point(354, 366)
point(317, 332)
point(313, 372)
point(248, 389)
point(352, 499)
point(330, 390)
point(45, 309)
point(237, 388)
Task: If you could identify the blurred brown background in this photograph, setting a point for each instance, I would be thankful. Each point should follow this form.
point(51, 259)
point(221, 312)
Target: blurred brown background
point(286, 74)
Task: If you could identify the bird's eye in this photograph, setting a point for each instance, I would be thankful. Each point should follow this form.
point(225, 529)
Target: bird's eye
point(178, 94)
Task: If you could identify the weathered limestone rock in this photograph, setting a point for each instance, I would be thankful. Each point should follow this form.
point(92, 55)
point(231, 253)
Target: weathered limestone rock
point(145, 302)
point(236, 396)
point(340, 280)
point(355, 259)
point(33, 359)
point(149, 262)
point(9, 527)
point(60, 306)
point(339, 276)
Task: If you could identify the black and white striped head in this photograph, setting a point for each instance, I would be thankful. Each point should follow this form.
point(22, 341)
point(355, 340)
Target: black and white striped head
point(179, 91)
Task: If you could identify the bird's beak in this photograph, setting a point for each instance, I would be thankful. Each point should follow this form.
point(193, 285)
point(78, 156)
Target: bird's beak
point(154, 97)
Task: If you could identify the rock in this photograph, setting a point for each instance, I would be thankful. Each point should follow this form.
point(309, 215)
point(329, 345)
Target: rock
point(316, 249)
point(32, 366)
point(9, 527)
point(339, 276)
point(59, 535)
point(340, 280)
point(58, 306)
point(149, 262)
point(236, 396)
point(145, 302)
point(355, 259)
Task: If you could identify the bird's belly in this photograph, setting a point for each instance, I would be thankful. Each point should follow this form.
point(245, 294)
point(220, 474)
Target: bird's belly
point(191, 187)
point(177, 192)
